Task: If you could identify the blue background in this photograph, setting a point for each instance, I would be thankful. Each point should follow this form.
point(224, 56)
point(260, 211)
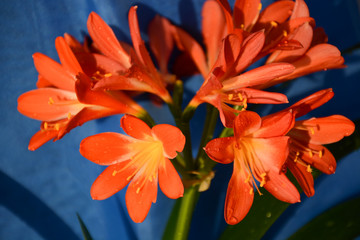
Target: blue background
point(41, 191)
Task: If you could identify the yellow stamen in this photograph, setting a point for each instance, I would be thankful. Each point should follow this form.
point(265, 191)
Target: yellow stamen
point(242, 26)
point(114, 173)
point(107, 74)
point(248, 178)
point(273, 23)
point(260, 6)
point(311, 153)
point(57, 127)
point(263, 181)
point(285, 33)
point(45, 125)
point(308, 169)
point(320, 153)
point(312, 131)
point(240, 96)
point(230, 96)
point(137, 190)
point(51, 101)
point(245, 104)
point(69, 116)
point(251, 191)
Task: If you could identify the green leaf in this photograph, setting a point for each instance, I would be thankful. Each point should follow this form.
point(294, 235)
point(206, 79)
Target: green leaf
point(85, 232)
point(266, 209)
point(340, 222)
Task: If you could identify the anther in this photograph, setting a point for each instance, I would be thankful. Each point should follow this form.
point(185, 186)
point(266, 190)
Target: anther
point(260, 6)
point(285, 33)
point(320, 153)
point(248, 178)
point(114, 173)
point(57, 127)
point(230, 96)
point(107, 74)
point(242, 26)
point(137, 190)
point(308, 169)
point(45, 125)
point(312, 131)
point(273, 23)
point(240, 96)
point(51, 101)
point(311, 153)
point(251, 191)
point(69, 116)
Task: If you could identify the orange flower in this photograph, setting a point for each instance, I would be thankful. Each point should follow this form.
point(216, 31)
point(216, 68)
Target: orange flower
point(276, 22)
point(65, 98)
point(315, 54)
point(141, 159)
point(308, 136)
point(141, 74)
point(258, 150)
point(220, 88)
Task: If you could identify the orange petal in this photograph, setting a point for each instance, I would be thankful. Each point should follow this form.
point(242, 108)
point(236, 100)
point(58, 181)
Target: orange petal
point(304, 178)
point(48, 104)
point(54, 72)
point(251, 48)
point(271, 153)
point(246, 12)
point(187, 43)
point(107, 148)
point(300, 10)
point(274, 125)
point(258, 76)
point(161, 41)
point(169, 181)
point(139, 199)
point(247, 122)
point(324, 130)
point(259, 96)
point(108, 64)
point(213, 29)
point(106, 40)
point(221, 150)
point(239, 198)
point(67, 57)
point(311, 102)
point(318, 58)
point(277, 12)
point(40, 138)
point(111, 180)
point(119, 82)
point(281, 187)
point(135, 127)
point(228, 15)
point(172, 138)
point(229, 53)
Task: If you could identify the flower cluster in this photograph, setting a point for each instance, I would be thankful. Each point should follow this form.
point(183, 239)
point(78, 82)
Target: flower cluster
point(104, 76)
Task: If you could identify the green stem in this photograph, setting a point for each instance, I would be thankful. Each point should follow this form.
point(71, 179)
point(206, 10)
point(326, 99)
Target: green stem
point(179, 223)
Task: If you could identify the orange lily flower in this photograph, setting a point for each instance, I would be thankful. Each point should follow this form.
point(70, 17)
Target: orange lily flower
point(141, 74)
point(140, 160)
point(258, 149)
point(315, 54)
point(65, 98)
point(308, 136)
point(219, 89)
point(276, 22)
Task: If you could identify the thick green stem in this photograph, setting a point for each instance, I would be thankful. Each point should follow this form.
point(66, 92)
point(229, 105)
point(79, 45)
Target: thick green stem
point(179, 223)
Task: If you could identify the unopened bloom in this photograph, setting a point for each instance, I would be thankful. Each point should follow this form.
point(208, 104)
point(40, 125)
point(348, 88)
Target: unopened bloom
point(258, 149)
point(65, 98)
point(140, 160)
point(308, 136)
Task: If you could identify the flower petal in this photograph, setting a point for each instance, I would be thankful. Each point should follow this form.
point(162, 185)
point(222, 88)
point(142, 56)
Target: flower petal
point(221, 150)
point(323, 130)
point(213, 29)
point(325, 162)
point(300, 10)
point(304, 178)
point(187, 43)
point(172, 138)
point(247, 122)
point(107, 148)
point(54, 72)
point(246, 12)
point(106, 40)
point(311, 102)
point(111, 180)
point(170, 181)
point(40, 138)
point(161, 41)
point(139, 199)
point(277, 12)
point(274, 125)
point(239, 198)
point(67, 57)
point(135, 127)
point(281, 187)
point(49, 104)
point(258, 76)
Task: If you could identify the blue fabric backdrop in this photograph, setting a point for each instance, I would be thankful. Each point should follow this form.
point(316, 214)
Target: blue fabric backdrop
point(41, 191)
